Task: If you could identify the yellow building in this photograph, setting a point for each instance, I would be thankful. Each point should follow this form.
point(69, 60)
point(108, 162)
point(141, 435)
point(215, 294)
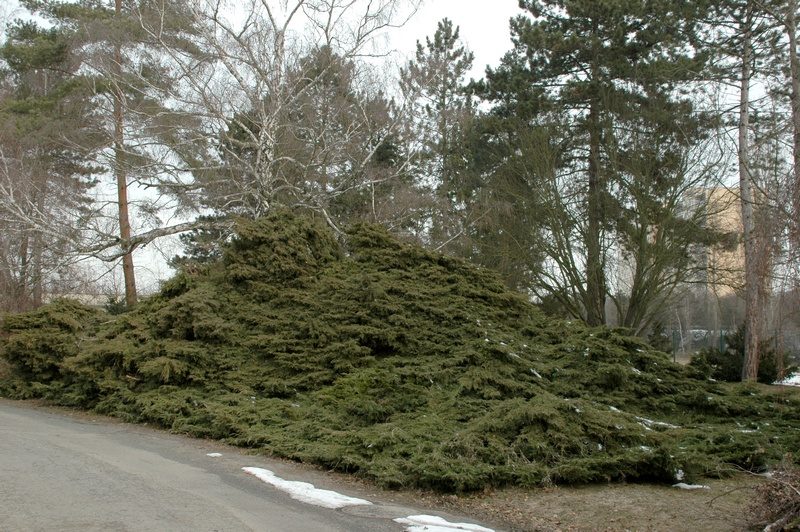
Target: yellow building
point(725, 262)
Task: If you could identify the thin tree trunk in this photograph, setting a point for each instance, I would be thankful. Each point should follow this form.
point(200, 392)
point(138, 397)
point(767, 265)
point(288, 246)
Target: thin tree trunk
point(121, 176)
point(752, 310)
point(20, 296)
point(37, 255)
point(794, 69)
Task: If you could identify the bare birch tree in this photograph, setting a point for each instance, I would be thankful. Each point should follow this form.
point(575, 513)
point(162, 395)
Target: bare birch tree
point(291, 113)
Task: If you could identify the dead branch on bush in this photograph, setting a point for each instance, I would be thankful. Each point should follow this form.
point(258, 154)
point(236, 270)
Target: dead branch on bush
point(776, 501)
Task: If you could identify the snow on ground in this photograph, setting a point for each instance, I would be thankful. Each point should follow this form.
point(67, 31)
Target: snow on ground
point(305, 492)
point(429, 523)
point(792, 380)
point(684, 486)
point(646, 423)
point(214, 455)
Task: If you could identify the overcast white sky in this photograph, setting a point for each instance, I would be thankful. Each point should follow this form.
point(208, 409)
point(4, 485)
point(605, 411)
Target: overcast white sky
point(483, 28)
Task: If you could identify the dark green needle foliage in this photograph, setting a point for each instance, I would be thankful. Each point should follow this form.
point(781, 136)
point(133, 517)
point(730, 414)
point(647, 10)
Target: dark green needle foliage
point(386, 360)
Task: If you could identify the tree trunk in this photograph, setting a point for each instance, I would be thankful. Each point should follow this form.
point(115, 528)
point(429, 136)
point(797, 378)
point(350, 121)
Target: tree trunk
point(752, 310)
point(121, 175)
point(794, 220)
point(37, 279)
point(20, 299)
point(794, 70)
point(595, 276)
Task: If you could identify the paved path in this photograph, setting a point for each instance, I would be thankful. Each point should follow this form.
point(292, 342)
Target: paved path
point(61, 472)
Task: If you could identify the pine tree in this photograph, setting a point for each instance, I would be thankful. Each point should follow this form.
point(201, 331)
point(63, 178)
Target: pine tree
point(606, 78)
point(46, 138)
point(130, 84)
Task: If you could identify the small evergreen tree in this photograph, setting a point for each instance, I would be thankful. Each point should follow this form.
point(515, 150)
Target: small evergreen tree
point(443, 115)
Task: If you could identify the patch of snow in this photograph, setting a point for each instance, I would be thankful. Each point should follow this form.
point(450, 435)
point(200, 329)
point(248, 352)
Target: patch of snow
point(214, 455)
point(430, 523)
point(513, 355)
point(535, 373)
point(648, 422)
point(684, 486)
point(636, 371)
point(678, 474)
point(791, 380)
point(305, 492)
point(614, 409)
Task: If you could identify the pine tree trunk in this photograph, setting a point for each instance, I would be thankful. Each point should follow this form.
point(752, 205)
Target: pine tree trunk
point(752, 310)
point(595, 276)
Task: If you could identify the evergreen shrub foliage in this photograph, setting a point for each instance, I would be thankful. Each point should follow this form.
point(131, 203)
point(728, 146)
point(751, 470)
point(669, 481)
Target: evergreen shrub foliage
point(401, 365)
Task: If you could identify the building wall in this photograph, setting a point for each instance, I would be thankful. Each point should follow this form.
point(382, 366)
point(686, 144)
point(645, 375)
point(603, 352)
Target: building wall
point(726, 261)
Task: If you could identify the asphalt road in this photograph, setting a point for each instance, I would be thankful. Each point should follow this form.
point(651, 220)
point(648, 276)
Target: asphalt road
point(62, 472)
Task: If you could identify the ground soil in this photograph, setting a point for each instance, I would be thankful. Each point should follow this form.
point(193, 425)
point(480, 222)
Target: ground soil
point(614, 507)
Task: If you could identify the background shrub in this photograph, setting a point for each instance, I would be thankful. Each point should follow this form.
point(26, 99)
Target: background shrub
point(726, 365)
